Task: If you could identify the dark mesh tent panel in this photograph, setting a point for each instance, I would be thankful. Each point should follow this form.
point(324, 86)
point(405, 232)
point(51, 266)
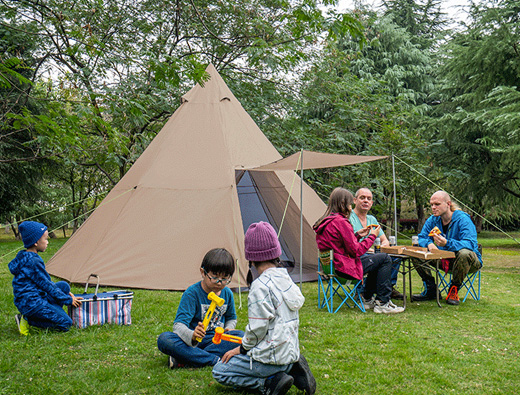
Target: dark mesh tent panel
point(254, 209)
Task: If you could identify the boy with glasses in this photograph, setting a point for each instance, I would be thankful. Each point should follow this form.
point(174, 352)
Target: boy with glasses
point(181, 345)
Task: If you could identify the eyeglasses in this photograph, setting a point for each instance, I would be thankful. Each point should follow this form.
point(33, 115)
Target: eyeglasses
point(216, 280)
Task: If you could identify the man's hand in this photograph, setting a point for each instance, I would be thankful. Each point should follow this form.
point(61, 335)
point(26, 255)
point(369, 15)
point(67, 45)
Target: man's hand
point(230, 354)
point(199, 332)
point(432, 247)
point(440, 240)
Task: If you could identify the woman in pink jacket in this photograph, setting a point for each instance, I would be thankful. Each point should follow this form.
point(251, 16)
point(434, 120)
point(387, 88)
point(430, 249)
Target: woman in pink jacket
point(334, 232)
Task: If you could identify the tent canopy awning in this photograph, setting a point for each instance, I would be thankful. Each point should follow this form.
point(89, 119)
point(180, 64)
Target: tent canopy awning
point(314, 160)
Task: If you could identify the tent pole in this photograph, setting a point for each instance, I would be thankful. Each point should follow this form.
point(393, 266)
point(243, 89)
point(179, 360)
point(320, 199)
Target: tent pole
point(301, 216)
point(395, 198)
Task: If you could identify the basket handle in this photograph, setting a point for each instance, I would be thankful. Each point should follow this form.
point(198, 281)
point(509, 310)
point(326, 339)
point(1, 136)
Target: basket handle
point(97, 285)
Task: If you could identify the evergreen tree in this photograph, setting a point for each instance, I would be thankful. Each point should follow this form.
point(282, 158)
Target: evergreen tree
point(477, 124)
point(423, 20)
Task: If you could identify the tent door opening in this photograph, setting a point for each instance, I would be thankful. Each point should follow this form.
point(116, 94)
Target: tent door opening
point(254, 209)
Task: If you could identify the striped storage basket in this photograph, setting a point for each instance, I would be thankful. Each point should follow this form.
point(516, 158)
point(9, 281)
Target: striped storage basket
point(112, 307)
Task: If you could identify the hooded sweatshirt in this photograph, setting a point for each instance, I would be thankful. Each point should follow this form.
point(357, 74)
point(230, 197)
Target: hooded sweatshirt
point(461, 233)
point(32, 284)
point(336, 233)
point(271, 336)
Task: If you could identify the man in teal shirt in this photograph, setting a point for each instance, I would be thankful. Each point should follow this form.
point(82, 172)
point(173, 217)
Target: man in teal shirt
point(359, 218)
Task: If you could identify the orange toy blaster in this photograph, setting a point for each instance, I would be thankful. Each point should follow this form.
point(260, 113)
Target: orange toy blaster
point(220, 335)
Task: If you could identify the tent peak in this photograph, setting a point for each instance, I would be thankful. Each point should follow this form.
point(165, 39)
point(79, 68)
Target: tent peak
point(214, 90)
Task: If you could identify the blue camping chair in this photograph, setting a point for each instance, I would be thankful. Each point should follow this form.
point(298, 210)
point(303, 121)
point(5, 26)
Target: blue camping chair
point(471, 285)
point(331, 286)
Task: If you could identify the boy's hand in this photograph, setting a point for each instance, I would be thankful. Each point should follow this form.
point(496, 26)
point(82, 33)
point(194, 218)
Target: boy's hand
point(230, 354)
point(76, 300)
point(199, 332)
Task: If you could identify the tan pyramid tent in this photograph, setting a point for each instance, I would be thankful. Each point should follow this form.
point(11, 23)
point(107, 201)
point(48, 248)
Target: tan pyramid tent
point(187, 193)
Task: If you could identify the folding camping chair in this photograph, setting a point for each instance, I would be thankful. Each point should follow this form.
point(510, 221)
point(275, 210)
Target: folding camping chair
point(330, 285)
point(471, 284)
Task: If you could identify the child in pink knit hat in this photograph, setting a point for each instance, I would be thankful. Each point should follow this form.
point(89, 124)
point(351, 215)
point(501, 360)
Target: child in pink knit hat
point(269, 358)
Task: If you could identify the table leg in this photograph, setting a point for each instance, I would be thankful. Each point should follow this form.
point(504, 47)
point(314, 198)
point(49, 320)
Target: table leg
point(437, 282)
point(410, 266)
point(404, 283)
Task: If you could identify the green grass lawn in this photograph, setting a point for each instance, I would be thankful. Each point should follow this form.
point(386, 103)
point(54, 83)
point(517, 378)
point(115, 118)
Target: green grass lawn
point(473, 348)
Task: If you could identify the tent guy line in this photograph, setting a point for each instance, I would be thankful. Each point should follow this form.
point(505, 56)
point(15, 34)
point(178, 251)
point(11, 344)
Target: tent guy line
point(458, 201)
point(62, 225)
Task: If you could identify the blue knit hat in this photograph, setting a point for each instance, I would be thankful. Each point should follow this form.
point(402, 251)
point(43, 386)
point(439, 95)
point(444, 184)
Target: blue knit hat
point(261, 243)
point(31, 232)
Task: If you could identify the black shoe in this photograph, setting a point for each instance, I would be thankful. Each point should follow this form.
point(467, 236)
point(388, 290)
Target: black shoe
point(279, 384)
point(424, 296)
point(303, 378)
point(174, 364)
point(396, 294)
point(428, 293)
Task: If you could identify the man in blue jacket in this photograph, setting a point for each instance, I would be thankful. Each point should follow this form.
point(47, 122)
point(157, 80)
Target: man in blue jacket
point(458, 234)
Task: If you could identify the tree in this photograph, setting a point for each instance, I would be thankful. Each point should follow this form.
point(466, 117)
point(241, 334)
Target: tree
point(477, 123)
point(422, 19)
point(365, 101)
point(110, 73)
point(19, 167)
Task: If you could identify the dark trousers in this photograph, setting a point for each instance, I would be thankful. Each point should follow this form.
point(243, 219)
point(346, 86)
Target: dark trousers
point(204, 354)
point(465, 262)
point(51, 313)
point(378, 270)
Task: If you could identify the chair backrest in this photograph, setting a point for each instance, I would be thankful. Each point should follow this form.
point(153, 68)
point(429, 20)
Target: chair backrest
point(326, 261)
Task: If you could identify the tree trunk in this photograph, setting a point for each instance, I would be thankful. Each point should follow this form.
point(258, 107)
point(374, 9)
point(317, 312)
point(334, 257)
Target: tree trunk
point(479, 221)
point(419, 209)
point(15, 228)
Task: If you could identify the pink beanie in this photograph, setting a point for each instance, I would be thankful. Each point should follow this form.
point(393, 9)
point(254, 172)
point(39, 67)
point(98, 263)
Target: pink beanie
point(261, 243)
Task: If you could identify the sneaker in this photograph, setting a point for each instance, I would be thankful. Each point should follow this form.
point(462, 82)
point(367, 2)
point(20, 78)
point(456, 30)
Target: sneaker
point(453, 296)
point(396, 294)
point(303, 377)
point(368, 304)
point(279, 384)
point(23, 325)
point(387, 308)
point(173, 364)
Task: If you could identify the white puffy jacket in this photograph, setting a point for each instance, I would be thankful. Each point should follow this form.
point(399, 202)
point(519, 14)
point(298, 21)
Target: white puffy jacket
point(271, 335)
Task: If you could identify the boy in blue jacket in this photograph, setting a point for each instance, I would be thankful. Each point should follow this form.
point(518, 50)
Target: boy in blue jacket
point(39, 300)
point(182, 345)
point(458, 234)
